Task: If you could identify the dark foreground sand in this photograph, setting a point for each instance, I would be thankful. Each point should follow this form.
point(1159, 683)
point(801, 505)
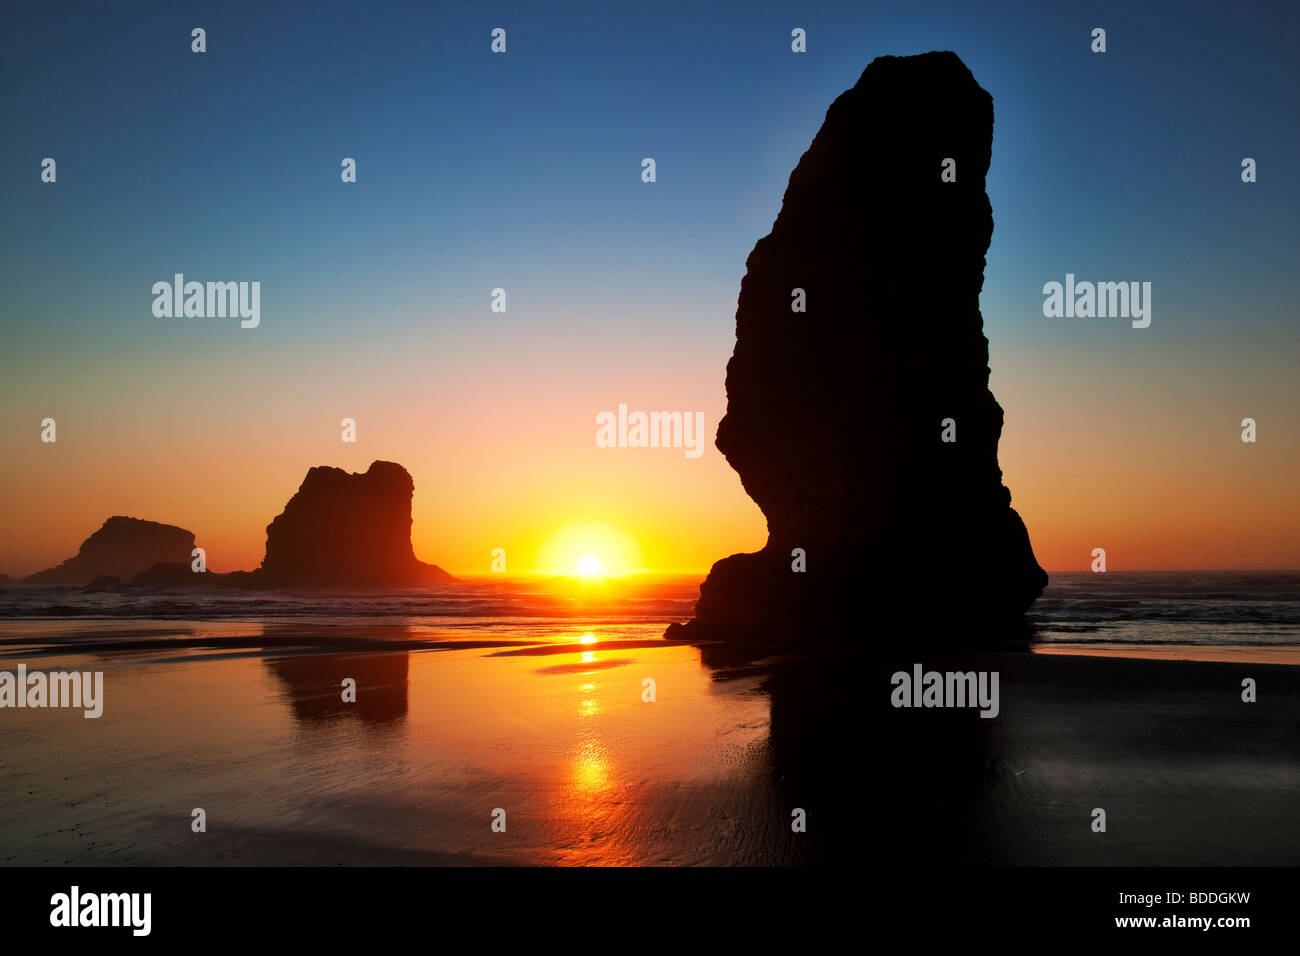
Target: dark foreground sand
point(1187, 773)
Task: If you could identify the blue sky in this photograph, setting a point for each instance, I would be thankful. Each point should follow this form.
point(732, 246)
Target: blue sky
point(476, 168)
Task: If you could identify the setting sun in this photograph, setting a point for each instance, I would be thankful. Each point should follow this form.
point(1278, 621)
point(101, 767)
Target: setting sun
point(591, 550)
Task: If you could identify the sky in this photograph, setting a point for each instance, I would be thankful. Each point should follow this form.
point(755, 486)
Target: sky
point(522, 171)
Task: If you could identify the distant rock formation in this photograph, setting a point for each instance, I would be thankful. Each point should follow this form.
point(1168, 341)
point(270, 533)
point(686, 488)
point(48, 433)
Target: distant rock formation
point(346, 530)
point(836, 415)
point(168, 574)
point(122, 548)
point(105, 582)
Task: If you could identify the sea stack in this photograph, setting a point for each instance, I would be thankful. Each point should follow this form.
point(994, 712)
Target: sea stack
point(346, 530)
point(859, 415)
point(122, 548)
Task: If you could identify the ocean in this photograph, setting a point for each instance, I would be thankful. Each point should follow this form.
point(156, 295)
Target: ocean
point(1170, 607)
point(1160, 607)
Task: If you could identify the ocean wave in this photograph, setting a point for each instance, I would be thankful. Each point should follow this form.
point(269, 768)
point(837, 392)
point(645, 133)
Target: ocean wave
point(1134, 607)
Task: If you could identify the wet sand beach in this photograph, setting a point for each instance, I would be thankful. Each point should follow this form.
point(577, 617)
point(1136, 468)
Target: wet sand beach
point(247, 722)
point(410, 773)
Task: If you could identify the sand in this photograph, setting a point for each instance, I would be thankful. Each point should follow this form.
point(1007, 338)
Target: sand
point(252, 729)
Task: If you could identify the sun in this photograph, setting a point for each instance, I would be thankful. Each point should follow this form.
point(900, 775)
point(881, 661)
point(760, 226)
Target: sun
point(589, 551)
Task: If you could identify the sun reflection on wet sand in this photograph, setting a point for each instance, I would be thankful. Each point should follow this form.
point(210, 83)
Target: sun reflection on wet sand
point(591, 776)
point(588, 772)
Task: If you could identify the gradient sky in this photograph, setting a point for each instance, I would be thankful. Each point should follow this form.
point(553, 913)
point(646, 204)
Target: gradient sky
point(523, 171)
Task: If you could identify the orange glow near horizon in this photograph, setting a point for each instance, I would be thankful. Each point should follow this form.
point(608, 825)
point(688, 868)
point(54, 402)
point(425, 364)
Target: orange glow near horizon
point(1152, 473)
point(590, 550)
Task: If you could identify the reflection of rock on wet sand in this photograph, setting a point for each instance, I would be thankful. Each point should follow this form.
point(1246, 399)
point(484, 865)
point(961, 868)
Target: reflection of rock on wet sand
point(314, 686)
point(877, 783)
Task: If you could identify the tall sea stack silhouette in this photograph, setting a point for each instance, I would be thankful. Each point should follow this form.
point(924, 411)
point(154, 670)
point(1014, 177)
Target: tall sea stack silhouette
point(836, 416)
point(346, 530)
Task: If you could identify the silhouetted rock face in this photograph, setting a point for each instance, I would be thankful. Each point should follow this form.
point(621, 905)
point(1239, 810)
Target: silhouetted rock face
point(105, 582)
point(122, 548)
point(167, 574)
point(835, 415)
point(343, 529)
